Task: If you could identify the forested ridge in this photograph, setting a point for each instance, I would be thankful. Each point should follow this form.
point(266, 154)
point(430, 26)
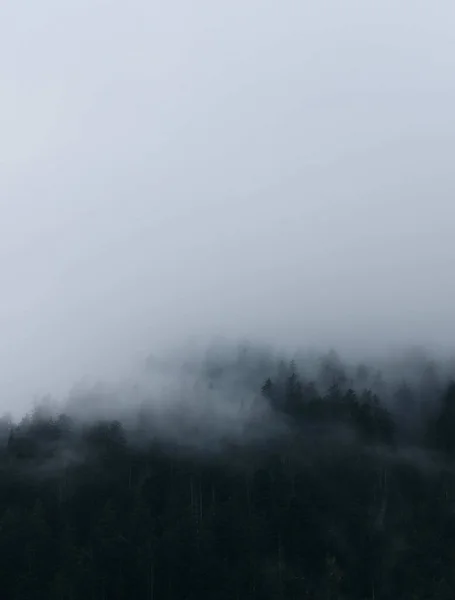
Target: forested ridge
point(350, 496)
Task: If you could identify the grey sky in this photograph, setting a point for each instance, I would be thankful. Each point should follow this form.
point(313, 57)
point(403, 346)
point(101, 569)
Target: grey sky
point(248, 168)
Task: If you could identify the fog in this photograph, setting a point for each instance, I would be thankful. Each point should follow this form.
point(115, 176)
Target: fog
point(278, 172)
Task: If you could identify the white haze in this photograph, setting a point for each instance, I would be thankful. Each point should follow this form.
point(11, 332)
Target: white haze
point(278, 171)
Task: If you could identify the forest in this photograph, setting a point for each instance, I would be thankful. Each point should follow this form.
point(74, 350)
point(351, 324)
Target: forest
point(333, 484)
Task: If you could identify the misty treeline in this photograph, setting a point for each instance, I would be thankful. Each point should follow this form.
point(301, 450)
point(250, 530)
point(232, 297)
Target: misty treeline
point(261, 478)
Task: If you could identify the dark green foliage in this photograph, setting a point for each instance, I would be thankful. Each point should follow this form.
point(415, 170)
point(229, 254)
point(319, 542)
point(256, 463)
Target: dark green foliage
point(342, 508)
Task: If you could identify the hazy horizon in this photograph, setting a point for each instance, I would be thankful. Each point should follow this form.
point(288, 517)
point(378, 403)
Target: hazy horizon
point(169, 171)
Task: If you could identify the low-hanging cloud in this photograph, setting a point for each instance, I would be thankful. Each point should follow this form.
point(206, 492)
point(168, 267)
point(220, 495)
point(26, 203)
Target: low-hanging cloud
point(278, 173)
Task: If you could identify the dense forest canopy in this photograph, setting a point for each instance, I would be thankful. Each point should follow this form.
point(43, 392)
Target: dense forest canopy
point(247, 476)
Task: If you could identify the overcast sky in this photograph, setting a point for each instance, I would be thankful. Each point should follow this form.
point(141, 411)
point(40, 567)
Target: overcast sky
point(251, 168)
